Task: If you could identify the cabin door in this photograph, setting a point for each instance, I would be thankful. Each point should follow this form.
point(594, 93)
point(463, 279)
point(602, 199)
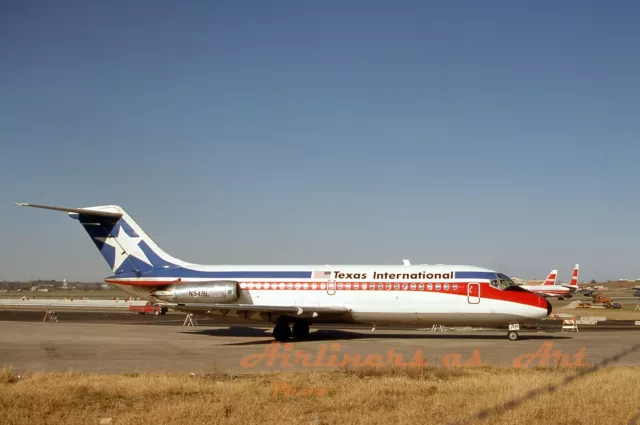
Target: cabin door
point(331, 287)
point(473, 293)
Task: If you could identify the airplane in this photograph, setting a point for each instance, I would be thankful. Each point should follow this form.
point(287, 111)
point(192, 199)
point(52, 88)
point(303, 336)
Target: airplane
point(295, 297)
point(549, 287)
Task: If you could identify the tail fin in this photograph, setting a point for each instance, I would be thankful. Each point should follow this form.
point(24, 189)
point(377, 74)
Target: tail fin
point(551, 279)
point(574, 276)
point(123, 244)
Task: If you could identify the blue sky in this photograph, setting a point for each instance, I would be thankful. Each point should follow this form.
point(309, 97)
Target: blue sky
point(499, 134)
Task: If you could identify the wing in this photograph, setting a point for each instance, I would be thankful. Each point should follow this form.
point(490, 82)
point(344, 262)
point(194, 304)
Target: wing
point(298, 311)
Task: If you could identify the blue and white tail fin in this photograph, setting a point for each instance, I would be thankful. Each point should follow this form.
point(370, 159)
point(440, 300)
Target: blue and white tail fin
point(122, 242)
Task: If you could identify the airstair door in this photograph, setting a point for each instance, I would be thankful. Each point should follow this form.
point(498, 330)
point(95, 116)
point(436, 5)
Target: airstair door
point(473, 293)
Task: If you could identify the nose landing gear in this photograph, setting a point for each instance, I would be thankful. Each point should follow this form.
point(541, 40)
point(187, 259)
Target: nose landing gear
point(513, 332)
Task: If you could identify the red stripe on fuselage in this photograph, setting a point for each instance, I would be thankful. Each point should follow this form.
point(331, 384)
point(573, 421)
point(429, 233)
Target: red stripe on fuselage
point(452, 288)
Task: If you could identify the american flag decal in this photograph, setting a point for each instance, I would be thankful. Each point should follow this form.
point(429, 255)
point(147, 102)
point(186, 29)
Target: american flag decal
point(321, 275)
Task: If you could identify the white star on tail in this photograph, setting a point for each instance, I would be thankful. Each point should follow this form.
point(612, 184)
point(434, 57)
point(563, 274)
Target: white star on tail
point(124, 246)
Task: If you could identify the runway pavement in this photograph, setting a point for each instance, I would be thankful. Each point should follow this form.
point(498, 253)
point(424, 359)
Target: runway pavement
point(117, 348)
point(177, 319)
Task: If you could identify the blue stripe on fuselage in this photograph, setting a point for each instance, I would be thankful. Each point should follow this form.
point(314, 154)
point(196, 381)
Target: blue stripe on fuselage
point(475, 275)
point(258, 275)
point(181, 272)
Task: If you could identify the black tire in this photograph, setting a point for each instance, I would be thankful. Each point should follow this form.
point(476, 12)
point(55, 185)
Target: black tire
point(301, 330)
point(512, 335)
point(282, 332)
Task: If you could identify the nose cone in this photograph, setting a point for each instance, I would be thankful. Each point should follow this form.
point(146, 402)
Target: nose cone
point(549, 308)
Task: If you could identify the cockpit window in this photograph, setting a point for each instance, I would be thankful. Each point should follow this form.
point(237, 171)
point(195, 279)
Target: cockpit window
point(504, 281)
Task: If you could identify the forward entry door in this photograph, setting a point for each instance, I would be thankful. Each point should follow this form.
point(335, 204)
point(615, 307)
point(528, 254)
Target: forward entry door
point(473, 293)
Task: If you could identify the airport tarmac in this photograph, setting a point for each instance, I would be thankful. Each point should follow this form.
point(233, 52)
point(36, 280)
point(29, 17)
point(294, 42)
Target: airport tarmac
point(115, 316)
point(119, 348)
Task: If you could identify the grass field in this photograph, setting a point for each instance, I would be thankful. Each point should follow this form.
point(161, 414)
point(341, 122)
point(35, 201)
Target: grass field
point(361, 396)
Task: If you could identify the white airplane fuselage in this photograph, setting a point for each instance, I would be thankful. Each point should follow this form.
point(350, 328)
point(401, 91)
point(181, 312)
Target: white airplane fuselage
point(549, 290)
point(420, 301)
point(386, 294)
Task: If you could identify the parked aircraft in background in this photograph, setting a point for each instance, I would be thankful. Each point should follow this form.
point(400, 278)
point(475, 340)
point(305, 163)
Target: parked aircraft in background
point(573, 283)
point(549, 288)
point(293, 297)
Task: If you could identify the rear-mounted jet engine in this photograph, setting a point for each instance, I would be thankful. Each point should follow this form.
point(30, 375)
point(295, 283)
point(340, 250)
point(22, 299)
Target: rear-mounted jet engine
point(214, 292)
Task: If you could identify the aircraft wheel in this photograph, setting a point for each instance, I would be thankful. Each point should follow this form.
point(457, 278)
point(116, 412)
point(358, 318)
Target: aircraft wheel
point(300, 330)
point(512, 335)
point(282, 332)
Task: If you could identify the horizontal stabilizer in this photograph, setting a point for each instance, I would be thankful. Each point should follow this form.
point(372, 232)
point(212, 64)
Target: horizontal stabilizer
point(72, 210)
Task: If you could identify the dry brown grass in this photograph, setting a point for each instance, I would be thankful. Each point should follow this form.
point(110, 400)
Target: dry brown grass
point(361, 396)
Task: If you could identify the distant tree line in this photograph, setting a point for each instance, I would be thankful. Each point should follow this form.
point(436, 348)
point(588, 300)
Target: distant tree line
point(53, 284)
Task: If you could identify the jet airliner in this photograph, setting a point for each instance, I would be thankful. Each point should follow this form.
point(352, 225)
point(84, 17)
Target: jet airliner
point(294, 297)
point(549, 288)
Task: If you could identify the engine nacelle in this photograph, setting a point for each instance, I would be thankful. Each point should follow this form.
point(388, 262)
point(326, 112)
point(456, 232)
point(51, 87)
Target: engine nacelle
point(216, 292)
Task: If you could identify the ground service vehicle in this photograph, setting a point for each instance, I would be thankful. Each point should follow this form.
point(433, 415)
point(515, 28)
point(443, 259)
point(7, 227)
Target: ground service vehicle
point(148, 308)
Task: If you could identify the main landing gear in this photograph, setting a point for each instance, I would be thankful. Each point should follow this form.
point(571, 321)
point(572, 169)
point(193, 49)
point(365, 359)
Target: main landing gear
point(513, 332)
point(283, 330)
